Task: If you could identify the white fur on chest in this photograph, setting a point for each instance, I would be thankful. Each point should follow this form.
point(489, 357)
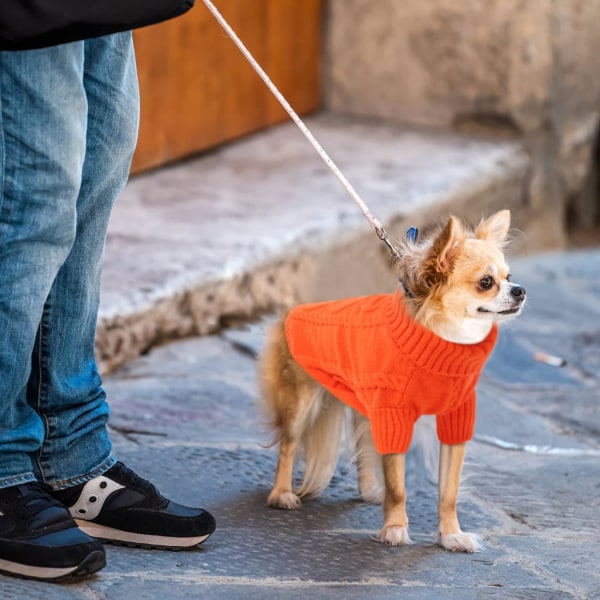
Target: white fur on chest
point(470, 331)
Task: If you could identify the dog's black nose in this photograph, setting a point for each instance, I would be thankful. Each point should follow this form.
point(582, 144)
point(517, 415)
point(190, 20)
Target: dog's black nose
point(518, 292)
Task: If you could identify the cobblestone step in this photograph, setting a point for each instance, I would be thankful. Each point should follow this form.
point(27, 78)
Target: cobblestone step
point(263, 222)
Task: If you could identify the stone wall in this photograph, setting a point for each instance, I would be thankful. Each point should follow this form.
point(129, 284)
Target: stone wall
point(526, 68)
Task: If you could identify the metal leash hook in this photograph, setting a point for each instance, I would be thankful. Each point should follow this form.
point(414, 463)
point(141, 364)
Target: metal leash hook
point(377, 226)
point(383, 236)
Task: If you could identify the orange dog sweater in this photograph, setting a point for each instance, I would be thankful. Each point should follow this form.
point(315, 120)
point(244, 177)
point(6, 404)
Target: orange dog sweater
point(369, 353)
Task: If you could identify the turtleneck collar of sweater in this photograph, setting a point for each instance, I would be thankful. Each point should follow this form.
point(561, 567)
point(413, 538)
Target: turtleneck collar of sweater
point(430, 351)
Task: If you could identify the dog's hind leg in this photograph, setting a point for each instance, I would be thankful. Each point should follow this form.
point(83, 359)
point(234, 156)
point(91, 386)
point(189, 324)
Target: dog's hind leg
point(368, 460)
point(288, 394)
point(450, 536)
point(281, 495)
point(292, 426)
point(395, 519)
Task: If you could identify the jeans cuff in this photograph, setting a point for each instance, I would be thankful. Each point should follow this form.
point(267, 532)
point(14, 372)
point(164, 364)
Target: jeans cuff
point(17, 480)
point(99, 470)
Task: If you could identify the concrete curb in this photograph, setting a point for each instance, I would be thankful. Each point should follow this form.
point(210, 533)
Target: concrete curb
point(263, 222)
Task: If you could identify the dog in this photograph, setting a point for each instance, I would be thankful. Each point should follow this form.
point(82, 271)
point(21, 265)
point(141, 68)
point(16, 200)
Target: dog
point(392, 358)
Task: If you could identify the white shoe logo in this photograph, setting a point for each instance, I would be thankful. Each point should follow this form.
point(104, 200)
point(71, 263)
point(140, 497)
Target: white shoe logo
point(92, 498)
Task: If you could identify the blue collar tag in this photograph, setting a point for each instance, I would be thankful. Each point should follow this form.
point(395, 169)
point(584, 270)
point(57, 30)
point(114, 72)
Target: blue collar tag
point(412, 233)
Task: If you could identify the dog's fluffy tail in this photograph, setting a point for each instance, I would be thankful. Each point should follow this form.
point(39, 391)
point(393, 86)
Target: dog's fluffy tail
point(321, 441)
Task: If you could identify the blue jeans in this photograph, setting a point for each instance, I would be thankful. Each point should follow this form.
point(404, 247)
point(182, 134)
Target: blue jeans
point(68, 128)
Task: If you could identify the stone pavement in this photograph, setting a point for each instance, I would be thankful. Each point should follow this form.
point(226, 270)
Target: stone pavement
point(186, 416)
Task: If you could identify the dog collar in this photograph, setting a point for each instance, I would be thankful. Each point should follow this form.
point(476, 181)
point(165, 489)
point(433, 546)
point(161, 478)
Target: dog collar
point(406, 289)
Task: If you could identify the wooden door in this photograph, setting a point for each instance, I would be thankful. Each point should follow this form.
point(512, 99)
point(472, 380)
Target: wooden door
point(197, 90)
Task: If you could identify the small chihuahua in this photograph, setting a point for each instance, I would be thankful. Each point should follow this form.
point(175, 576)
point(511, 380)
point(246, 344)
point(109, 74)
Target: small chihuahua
point(392, 358)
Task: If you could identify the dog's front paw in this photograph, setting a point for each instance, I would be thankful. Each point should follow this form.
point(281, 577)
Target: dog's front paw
point(461, 542)
point(395, 535)
point(287, 500)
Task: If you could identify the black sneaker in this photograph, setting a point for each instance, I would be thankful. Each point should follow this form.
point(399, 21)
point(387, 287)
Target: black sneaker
point(39, 539)
point(122, 508)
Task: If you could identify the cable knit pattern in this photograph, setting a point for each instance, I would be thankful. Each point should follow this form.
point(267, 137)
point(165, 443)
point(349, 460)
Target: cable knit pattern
point(372, 355)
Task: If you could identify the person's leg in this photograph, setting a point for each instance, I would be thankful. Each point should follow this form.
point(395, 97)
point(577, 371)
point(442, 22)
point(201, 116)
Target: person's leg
point(110, 501)
point(65, 386)
point(43, 119)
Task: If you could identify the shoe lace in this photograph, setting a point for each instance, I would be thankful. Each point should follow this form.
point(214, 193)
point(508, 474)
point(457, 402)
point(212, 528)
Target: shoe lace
point(136, 481)
point(34, 498)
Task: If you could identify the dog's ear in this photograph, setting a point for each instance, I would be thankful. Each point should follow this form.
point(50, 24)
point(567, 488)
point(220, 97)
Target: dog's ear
point(494, 228)
point(443, 250)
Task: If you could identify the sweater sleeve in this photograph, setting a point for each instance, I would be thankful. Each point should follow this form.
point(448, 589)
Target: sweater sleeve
point(457, 426)
point(391, 425)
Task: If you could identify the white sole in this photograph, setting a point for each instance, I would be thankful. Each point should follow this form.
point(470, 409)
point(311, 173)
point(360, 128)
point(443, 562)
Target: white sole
point(108, 534)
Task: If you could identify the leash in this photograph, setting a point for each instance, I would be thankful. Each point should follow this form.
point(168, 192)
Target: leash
point(377, 226)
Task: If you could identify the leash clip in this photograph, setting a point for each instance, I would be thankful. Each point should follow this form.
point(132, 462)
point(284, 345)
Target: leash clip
point(383, 236)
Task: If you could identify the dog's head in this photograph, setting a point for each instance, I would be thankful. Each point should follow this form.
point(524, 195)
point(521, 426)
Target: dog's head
point(457, 282)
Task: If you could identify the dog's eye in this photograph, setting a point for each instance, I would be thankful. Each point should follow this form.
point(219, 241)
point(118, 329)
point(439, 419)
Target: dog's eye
point(486, 283)
point(508, 277)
